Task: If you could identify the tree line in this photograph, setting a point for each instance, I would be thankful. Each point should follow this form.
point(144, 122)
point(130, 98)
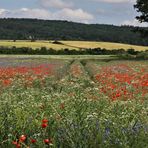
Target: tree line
point(35, 29)
point(90, 51)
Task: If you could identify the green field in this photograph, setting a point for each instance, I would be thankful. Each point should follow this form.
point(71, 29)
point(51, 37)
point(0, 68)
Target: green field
point(73, 102)
point(70, 57)
point(71, 45)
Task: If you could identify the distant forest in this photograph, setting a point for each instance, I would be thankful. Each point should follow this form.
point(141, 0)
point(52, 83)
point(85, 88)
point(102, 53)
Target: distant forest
point(25, 29)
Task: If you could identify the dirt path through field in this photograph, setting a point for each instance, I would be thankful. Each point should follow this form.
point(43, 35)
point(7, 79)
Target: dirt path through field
point(78, 78)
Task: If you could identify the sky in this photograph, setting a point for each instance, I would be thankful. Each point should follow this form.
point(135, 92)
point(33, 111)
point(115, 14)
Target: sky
point(116, 12)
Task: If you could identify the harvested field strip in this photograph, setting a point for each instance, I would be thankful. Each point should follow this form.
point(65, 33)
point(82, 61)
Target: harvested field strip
point(70, 45)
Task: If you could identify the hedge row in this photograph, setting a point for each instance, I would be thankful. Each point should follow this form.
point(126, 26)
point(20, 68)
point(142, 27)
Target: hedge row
point(46, 51)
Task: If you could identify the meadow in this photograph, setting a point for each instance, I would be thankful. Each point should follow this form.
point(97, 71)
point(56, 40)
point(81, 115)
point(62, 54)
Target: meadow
point(73, 102)
point(71, 45)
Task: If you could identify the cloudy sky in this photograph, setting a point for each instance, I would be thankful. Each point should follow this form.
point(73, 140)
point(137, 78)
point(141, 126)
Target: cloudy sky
point(115, 12)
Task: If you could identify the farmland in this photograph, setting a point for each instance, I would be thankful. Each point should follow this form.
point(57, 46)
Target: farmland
point(71, 45)
point(73, 101)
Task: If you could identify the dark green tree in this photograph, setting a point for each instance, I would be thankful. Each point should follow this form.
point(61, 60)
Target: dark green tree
point(142, 7)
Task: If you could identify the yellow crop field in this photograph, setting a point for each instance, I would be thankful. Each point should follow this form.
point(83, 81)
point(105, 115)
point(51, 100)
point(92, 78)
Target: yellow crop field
point(71, 45)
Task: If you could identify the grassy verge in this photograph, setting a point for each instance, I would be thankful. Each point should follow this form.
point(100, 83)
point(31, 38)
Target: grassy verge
point(61, 56)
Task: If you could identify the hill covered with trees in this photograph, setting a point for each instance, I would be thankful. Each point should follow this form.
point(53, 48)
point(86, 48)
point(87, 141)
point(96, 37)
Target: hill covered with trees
point(24, 29)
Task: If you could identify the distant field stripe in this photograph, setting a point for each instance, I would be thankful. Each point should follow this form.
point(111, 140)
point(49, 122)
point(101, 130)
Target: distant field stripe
point(70, 45)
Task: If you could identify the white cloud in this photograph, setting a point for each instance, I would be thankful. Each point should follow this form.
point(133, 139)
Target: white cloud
point(134, 23)
point(116, 1)
point(60, 4)
point(26, 13)
point(2, 12)
point(77, 15)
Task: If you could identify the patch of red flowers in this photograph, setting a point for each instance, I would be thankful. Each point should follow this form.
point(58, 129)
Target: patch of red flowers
point(44, 123)
point(27, 74)
point(17, 145)
point(6, 82)
point(22, 139)
point(123, 81)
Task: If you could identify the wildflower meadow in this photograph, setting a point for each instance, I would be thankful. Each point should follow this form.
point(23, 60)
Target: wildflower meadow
point(68, 103)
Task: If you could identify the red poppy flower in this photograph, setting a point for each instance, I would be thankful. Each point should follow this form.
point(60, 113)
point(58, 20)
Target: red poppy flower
point(44, 121)
point(18, 146)
point(14, 142)
point(48, 141)
point(44, 125)
point(118, 94)
point(33, 141)
point(22, 138)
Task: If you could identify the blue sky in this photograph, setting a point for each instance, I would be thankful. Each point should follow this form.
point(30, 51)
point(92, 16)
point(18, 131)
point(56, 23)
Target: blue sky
point(115, 12)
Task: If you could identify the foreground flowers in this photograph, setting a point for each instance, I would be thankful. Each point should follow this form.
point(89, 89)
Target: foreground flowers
point(48, 141)
point(77, 110)
point(33, 141)
point(44, 125)
point(22, 141)
point(22, 138)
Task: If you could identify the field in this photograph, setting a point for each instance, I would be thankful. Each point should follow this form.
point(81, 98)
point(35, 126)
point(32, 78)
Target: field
point(71, 45)
point(73, 102)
